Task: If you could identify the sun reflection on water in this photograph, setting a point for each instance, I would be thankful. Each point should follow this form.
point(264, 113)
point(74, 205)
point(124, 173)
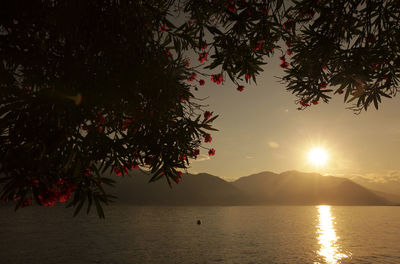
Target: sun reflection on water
point(327, 239)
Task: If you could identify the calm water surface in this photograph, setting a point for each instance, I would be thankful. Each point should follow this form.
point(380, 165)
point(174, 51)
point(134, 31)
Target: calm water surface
point(254, 234)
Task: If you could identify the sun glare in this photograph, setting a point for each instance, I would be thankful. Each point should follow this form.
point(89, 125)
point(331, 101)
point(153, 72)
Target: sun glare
point(318, 156)
point(330, 249)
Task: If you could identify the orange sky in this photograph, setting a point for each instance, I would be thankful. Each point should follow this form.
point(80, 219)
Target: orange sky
point(261, 129)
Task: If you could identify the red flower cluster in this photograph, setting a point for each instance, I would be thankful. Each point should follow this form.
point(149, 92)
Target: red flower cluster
point(191, 78)
point(100, 120)
point(284, 63)
point(231, 6)
point(87, 172)
point(202, 82)
point(25, 203)
point(289, 44)
point(204, 46)
point(240, 88)
point(163, 28)
point(314, 102)
point(207, 114)
point(126, 124)
point(120, 173)
point(203, 57)
point(196, 152)
point(211, 152)
point(217, 78)
point(178, 178)
point(34, 181)
point(259, 45)
point(125, 169)
point(247, 76)
point(323, 85)
point(304, 103)
point(207, 138)
point(61, 193)
point(289, 52)
point(187, 63)
point(288, 25)
point(263, 10)
point(134, 165)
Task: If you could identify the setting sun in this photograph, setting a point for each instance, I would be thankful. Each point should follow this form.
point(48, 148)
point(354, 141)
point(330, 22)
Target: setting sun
point(318, 156)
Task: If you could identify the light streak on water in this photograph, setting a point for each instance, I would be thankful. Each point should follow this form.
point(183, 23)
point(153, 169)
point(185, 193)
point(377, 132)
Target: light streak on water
point(330, 250)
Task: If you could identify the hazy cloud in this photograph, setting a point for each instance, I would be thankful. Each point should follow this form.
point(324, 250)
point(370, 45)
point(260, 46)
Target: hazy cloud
point(390, 176)
point(201, 157)
point(394, 173)
point(249, 157)
point(273, 144)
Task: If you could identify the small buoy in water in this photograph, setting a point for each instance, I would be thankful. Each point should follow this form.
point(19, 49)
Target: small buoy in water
point(198, 222)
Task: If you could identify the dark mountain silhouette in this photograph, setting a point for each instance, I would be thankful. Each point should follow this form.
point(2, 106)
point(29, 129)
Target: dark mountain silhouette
point(199, 189)
point(288, 188)
point(297, 188)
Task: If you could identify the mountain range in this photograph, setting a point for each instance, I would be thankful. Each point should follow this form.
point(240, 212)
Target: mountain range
point(265, 188)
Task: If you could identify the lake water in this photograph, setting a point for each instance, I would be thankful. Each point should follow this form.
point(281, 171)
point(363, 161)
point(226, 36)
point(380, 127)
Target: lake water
point(253, 234)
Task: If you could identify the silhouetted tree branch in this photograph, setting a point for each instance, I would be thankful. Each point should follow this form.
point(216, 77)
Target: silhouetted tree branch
point(89, 87)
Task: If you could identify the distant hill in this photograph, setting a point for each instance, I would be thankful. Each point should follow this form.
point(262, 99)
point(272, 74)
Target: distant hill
point(297, 188)
point(389, 185)
point(388, 196)
point(288, 188)
point(199, 189)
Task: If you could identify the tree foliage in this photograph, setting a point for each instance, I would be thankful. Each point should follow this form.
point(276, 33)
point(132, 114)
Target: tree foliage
point(352, 46)
point(96, 88)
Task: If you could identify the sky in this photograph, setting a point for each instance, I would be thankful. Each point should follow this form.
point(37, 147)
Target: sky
point(260, 129)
